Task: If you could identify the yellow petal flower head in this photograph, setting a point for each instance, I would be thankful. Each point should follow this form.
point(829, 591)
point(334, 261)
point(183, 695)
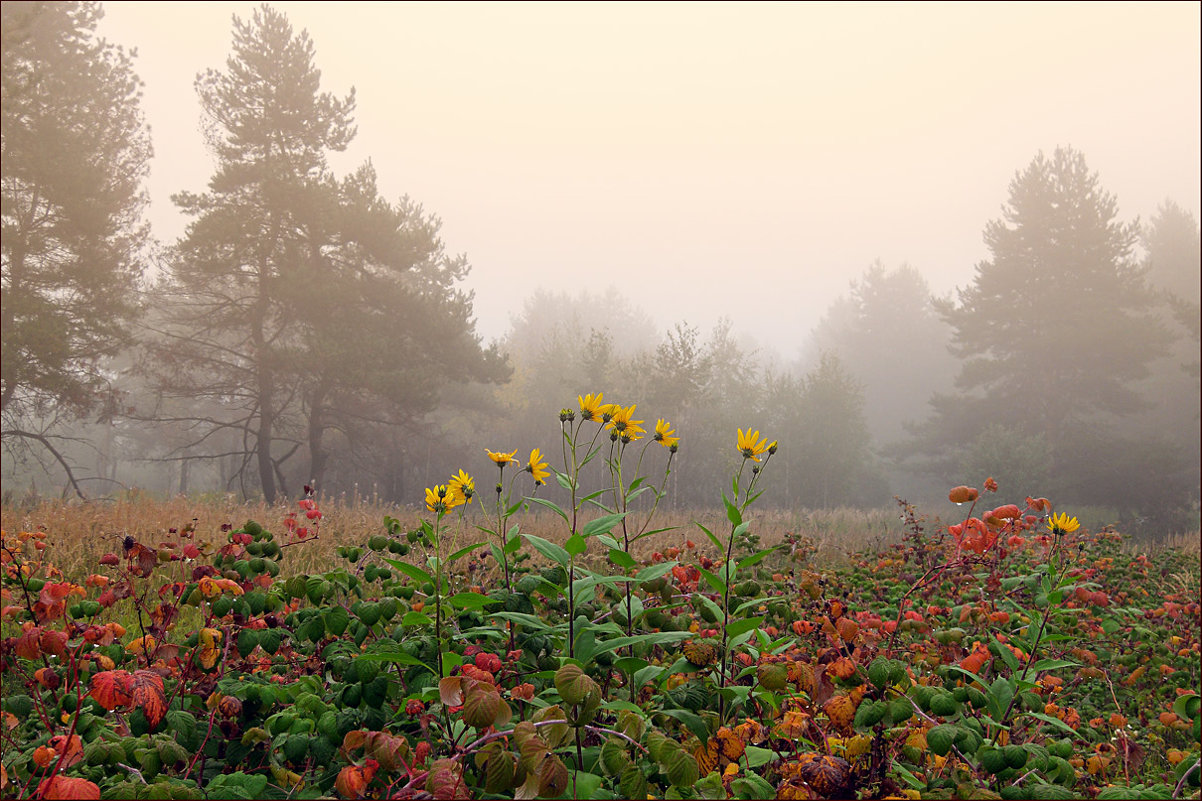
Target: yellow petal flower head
point(463, 487)
point(664, 434)
point(1061, 523)
point(592, 407)
point(537, 467)
point(501, 458)
point(437, 499)
point(750, 444)
point(620, 422)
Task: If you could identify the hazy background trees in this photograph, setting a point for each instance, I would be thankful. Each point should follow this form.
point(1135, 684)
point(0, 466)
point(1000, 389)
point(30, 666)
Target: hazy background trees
point(305, 328)
point(75, 153)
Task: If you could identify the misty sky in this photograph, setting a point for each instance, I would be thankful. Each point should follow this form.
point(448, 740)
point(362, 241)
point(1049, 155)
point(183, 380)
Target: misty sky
point(714, 159)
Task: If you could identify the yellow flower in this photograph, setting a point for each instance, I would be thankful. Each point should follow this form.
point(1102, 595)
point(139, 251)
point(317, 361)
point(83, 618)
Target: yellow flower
point(537, 467)
point(439, 499)
point(462, 487)
point(591, 406)
point(501, 458)
point(620, 422)
point(1061, 523)
point(664, 434)
point(751, 446)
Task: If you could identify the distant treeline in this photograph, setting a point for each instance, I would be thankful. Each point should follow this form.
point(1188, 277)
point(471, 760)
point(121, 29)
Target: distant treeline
point(305, 329)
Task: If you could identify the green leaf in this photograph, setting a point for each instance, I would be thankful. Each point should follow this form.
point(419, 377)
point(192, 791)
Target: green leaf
point(1008, 656)
point(586, 784)
point(416, 619)
point(654, 571)
point(752, 785)
point(1057, 722)
point(713, 607)
point(758, 556)
point(1186, 707)
point(562, 480)
point(717, 584)
point(554, 507)
point(1001, 693)
point(464, 551)
point(601, 525)
point(653, 531)
point(576, 545)
point(630, 665)
point(336, 620)
point(398, 657)
point(908, 777)
point(742, 626)
point(549, 549)
point(757, 756)
point(732, 512)
point(412, 571)
point(694, 723)
point(609, 541)
point(968, 673)
point(469, 600)
point(532, 622)
point(622, 559)
point(714, 539)
point(659, 638)
point(1052, 664)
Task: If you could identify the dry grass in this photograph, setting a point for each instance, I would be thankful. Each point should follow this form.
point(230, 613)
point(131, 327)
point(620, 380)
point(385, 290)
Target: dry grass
point(80, 533)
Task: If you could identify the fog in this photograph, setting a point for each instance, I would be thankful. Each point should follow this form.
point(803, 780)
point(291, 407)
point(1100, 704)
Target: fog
point(741, 160)
point(917, 244)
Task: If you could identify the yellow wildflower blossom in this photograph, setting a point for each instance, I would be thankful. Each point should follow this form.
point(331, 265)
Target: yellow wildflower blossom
point(501, 458)
point(664, 434)
point(751, 446)
point(462, 487)
point(1061, 523)
point(537, 467)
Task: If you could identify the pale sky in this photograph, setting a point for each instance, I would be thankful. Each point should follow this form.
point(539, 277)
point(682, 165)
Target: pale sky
point(743, 160)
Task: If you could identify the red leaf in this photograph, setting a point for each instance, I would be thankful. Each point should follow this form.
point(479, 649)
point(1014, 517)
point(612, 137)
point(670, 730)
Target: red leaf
point(146, 690)
point(68, 789)
point(29, 644)
point(111, 688)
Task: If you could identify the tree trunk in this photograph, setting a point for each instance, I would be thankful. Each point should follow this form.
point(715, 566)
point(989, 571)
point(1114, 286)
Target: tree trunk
point(318, 456)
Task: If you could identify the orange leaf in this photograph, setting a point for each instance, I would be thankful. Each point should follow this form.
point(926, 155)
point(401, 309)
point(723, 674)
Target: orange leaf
point(962, 494)
point(147, 692)
point(68, 789)
point(210, 647)
point(69, 749)
point(111, 688)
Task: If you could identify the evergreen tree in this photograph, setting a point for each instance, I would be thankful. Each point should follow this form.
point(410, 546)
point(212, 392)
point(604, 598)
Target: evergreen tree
point(1056, 325)
point(833, 447)
point(306, 304)
point(75, 154)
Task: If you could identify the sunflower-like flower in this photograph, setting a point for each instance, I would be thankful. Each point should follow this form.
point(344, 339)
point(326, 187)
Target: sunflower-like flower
point(592, 407)
point(664, 434)
point(1061, 523)
point(620, 422)
point(751, 446)
point(439, 499)
point(501, 458)
point(537, 467)
point(462, 487)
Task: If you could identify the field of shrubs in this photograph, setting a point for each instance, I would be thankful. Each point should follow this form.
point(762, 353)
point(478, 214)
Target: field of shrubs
point(457, 654)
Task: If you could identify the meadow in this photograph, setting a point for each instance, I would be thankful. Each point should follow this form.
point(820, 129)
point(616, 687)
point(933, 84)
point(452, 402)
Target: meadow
point(499, 646)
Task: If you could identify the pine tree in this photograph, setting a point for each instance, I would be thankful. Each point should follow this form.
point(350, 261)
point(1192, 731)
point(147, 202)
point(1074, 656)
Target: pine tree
point(1057, 323)
point(304, 303)
point(75, 154)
